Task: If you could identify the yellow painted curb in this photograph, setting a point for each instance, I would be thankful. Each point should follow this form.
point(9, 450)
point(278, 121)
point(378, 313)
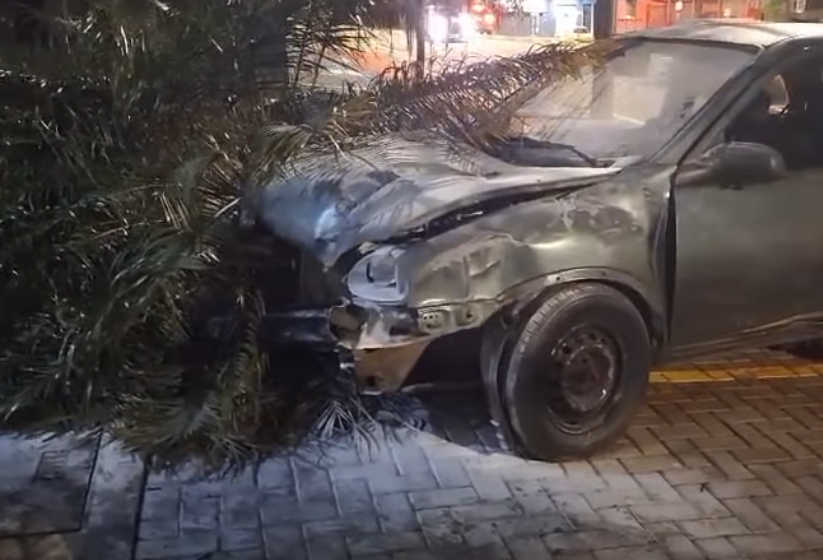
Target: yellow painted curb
point(710, 375)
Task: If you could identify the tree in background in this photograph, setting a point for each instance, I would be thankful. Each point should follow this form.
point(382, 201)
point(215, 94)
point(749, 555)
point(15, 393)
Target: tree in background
point(129, 131)
point(776, 10)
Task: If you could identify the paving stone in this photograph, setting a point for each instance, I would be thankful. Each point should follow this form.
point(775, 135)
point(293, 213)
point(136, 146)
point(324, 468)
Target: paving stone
point(349, 525)
point(241, 539)
point(284, 543)
point(410, 459)
point(527, 548)
point(762, 545)
point(275, 473)
point(151, 530)
point(192, 542)
point(532, 497)
point(584, 541)
point(161, 505)
point(705, 502)
point(652, 463)
point(633, 552)
point(311, 482)
point(708, 470)
point(666, 512)
point(718, 548)
point(84, 497)
point(276, 510)
point(239, 509)
point(657, 488)
point(489, 485)
point(739, 489)
point(386, 483)
point(443, 497)
point(680, 547)
point(449, 473)
point(752, 516)
point(353, 496)
point(532, 525)
point(378, 544)
point(46, 492)
point(327, 548)
point(200, 513)
point(396, 514)
point(577, 510)
point(711, 528)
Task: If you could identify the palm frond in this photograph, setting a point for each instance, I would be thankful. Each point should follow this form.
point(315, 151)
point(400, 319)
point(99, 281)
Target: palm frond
point(130, 132)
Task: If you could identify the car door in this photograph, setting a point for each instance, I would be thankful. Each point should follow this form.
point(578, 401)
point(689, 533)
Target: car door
point(748, 256)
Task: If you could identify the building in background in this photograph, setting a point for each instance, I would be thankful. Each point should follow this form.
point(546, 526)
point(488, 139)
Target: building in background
point(567, 16)
point(575, 18)
point(538, 10)
point(640, 14)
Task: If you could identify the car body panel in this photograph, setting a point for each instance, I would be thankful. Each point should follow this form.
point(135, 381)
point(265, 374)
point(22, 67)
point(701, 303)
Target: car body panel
point(730, 31)
point(703, 283)
point(611, 224)
point(379, 191)
point(747, 258)
point(758, 280)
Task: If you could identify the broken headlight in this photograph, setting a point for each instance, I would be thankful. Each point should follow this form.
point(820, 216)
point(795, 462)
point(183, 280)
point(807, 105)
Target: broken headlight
point(376, 277)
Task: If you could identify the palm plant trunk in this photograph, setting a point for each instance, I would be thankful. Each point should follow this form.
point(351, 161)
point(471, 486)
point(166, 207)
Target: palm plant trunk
point(420, 33)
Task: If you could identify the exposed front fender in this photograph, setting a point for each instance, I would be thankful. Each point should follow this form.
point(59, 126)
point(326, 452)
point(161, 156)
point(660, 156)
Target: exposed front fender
point(608, 232)
point(648, 301)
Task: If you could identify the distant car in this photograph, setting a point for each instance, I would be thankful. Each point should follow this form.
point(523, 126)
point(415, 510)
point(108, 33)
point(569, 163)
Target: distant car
point(446, 25)
point(665, 206)
point(486, 17)
point(582, 35)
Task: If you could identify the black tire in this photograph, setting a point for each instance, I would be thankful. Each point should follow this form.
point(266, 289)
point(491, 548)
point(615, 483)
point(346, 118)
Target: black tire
point(556, 345)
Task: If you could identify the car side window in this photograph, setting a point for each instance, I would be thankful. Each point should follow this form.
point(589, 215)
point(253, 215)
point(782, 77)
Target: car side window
point(778, 94)
point(785, 112)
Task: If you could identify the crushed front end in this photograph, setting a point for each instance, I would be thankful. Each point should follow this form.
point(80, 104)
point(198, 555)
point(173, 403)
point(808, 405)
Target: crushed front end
point(363, 315)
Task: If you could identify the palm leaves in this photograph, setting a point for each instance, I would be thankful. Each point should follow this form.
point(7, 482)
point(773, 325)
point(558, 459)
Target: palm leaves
point(129, 130)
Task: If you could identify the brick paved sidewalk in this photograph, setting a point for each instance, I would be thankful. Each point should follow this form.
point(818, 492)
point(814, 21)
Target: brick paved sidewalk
point(725, 466)
point(64, 499)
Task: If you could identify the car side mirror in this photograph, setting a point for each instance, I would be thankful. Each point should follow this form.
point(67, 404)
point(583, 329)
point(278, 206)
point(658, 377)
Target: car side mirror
point(734, 164)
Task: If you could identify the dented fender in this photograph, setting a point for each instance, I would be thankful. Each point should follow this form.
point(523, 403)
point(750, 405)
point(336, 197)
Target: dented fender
point(459, 279)
point(608, 232)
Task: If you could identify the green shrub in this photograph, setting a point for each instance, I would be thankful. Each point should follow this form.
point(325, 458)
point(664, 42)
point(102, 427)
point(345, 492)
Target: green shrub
point(129, 130)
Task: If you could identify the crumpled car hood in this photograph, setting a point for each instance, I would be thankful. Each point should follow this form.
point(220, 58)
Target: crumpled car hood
point(330, 204)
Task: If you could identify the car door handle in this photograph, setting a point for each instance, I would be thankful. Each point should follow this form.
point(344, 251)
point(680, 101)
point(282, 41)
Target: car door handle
point(731, 186)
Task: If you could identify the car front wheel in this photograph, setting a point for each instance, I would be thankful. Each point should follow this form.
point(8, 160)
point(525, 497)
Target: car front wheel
point(576, 371)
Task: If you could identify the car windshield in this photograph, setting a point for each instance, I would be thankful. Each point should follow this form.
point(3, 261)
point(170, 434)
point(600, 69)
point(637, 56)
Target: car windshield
point(630, 106)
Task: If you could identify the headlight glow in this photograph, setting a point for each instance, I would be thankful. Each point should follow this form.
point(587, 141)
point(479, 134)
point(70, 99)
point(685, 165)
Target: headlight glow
point(438, 27)
point(466, 22)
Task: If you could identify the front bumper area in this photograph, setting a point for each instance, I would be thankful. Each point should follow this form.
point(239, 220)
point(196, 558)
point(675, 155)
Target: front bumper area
point(385, 343)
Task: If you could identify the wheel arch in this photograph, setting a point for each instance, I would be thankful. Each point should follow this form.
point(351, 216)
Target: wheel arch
point(530, 294)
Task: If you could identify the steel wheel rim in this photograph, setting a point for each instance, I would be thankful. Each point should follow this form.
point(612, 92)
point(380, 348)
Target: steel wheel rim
point(583, 379)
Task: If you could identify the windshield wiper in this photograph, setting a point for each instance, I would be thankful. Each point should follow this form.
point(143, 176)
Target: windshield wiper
point(536, 143)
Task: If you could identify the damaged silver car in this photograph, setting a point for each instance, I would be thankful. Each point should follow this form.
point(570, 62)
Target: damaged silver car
point(663, 205)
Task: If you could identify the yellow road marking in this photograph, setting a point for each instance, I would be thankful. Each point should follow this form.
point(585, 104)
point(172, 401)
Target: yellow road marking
point(691, 373)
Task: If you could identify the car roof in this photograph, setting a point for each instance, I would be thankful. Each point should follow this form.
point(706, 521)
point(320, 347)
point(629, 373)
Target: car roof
point(740, 32)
